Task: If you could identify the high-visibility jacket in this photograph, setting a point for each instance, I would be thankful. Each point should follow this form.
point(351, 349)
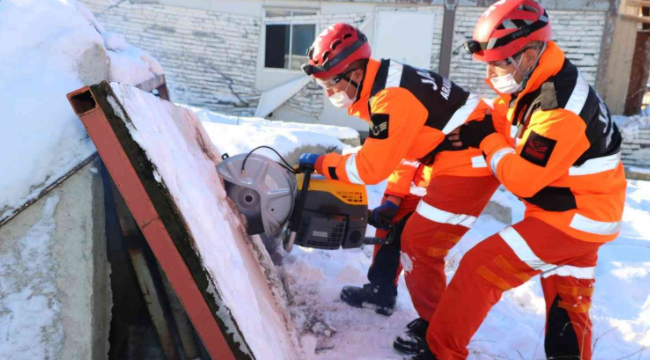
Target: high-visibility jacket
point(409, 178)
point(558, 149)
point(409, 111)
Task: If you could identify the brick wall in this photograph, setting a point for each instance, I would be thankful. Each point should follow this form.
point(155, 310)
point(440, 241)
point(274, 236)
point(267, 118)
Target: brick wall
point(578, 33)
point(308, 100)
point(209, 58)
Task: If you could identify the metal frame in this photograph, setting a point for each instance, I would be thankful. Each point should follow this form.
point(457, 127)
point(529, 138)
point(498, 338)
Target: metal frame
point(159, 221)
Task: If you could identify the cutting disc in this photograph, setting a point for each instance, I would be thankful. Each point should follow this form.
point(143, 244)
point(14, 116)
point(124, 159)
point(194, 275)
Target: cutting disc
point(264, 191)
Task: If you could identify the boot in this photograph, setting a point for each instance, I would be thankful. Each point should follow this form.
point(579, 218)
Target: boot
point(414, 339)
point(381, 298)
point(424, 354)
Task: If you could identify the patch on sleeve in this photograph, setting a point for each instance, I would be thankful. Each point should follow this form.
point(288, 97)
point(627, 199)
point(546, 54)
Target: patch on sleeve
point(379, 126)
point(538, 149)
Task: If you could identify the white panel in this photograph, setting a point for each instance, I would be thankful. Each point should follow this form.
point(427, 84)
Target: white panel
point(395, 37)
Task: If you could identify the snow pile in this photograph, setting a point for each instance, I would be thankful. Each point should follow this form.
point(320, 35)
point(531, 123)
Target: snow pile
point(188, 171)
point(29, 309)
point(343, 133)
point(48, 50)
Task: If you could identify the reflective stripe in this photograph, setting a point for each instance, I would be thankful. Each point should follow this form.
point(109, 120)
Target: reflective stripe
point(497, 280)
point(523, 251)
point(437, 252)
point(394, 78)
point(418, 190)
point(479, 162)
point(352, 171)
point(579, 96)
point(513, 131)
point(489, 102)
point(461, 115)
point(508, 268)
point(585, 273)
point(414, 164)
point(586, 224)
point(444, 217)
point(597, 165)
point(498, 155)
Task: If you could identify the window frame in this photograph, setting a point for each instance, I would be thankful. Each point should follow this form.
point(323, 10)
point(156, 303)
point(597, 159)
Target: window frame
point(290, 21)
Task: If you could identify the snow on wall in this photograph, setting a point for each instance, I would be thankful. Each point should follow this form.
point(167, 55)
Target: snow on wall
point(217, 233)
point(50, 48)
point(581, 47)
point(29, 308)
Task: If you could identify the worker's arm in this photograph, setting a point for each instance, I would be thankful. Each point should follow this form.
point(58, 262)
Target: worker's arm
point(552, 143)
point(397, 118)
point(399, 181)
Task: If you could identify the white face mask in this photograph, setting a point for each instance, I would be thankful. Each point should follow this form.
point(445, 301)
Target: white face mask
point(505, 84)
point(341, 98)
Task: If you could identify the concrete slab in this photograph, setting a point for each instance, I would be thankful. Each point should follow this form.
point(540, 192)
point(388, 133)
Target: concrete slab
point(55, 296)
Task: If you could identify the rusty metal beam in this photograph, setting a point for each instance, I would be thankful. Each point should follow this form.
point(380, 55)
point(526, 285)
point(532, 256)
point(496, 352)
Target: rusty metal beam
point(160, 221)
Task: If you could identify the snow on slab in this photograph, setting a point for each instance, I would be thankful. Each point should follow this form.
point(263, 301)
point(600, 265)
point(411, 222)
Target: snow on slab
point(190, 176)
point(45, 47)
point(238, 139)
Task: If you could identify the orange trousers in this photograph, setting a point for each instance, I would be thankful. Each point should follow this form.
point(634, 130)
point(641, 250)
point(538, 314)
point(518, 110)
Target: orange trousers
point(507, 260)
point(442, 217)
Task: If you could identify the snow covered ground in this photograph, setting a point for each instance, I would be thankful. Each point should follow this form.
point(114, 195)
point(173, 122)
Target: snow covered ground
point(514, 328)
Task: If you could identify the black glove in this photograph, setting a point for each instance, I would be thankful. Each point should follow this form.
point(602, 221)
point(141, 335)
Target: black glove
point(472, 133)
point(382, 216)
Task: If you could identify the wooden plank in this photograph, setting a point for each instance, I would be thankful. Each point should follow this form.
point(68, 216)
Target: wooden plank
point(154, 304)
point(638, 3)
point(641, 19)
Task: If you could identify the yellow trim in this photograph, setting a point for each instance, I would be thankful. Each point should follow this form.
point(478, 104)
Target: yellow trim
point(581, 309)
point(488, 275)
point(436, 252)
point(441, 235)
point(348, 193)
point(575, 290)
point(507, 267)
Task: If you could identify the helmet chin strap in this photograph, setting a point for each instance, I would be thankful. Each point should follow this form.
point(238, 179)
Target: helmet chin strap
point(526, 74)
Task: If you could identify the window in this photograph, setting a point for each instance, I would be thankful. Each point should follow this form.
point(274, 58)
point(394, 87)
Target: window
point(288, 36)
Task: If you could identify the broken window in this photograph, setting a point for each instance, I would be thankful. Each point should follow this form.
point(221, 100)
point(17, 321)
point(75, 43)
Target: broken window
point(289, 34)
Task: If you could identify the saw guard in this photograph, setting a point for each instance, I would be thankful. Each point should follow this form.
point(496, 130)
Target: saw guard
point(264, 191)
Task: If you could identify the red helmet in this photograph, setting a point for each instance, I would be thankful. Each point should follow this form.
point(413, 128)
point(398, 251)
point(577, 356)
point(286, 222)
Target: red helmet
point(506, 27)
point(336, 48)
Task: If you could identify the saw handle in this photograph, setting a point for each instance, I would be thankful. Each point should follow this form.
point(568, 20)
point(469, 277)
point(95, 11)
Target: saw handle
point(296, 217)
point(392, 233)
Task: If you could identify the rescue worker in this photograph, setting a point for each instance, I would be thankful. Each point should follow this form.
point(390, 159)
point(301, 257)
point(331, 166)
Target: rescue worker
point(404, 190)
point(564, 163)
point(409, 111)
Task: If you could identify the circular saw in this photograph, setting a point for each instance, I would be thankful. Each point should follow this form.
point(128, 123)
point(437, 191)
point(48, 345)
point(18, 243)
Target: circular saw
point(310, 210)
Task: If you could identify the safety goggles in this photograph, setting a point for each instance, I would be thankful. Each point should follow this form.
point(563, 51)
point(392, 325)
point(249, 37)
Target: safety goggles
point(505, 62)
point(328, 84)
